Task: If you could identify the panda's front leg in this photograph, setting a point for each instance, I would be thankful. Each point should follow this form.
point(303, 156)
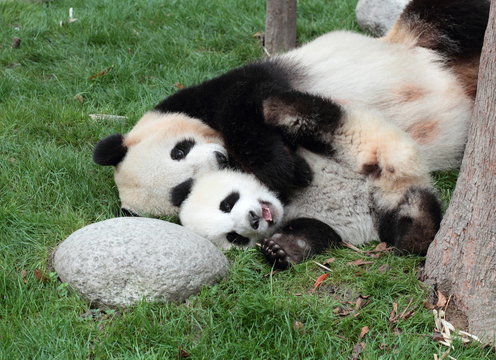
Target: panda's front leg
point(380, 149)
point(261, 149)
point(298, 240)
point(359, 137)
point(304, 119)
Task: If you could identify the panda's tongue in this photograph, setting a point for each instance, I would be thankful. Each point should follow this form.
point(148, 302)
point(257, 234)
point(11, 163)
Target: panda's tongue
point(266, 214)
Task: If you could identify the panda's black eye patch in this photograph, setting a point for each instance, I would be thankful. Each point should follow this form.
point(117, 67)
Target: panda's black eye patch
point(228, 203)
point(182, 149)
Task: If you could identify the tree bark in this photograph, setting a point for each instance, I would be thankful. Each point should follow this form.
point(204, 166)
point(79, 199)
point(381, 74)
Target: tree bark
point(280, 26)
point(461, 261)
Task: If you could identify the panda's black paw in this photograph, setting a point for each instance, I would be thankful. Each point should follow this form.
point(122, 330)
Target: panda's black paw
point(298, 240)
point(411, 226)
point(281, 251)
point(274, 254)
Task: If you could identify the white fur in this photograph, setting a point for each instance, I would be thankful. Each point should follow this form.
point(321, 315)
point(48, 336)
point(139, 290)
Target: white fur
point(359, 71)
point(147, 173)
point(201, 213)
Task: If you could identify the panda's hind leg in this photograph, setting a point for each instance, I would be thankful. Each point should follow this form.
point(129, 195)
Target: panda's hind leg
point(411, 225)
point(298, 240)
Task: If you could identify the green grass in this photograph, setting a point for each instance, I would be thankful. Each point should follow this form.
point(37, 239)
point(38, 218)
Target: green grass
point(49, 187)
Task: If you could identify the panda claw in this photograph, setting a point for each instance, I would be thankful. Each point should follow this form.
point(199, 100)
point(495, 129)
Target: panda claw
point(275, 255)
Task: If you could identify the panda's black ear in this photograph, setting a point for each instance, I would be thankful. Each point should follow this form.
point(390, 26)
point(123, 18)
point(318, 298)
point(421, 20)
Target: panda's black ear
point(180, 192)
point(110, 150)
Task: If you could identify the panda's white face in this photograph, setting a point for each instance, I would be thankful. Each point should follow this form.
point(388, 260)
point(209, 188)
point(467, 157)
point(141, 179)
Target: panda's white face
point(231, 209)
point(163, 151)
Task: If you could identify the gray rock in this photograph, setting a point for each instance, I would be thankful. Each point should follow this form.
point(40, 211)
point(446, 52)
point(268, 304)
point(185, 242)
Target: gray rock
point(120, 261)
point(378, 16)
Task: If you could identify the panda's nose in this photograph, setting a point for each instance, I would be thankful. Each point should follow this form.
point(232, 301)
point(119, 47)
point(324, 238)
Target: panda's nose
point(221, 159)
point(254, 219)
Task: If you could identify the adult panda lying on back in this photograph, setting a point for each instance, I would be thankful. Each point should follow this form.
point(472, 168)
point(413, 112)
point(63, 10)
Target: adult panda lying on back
point(345, 98)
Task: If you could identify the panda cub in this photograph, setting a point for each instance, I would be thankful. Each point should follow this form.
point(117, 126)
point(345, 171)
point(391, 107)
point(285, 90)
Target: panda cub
point(230, 208)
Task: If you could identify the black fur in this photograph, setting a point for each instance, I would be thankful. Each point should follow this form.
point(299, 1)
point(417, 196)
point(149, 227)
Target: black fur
point(126, 212)
point(411, 235)
point(233, 104)
point(455, 27)
point(181, 150)
point(317, 237)
point(310, 117)
point(180, 192)
point(237, 239)
point(228, 203)
point(110, 150)
point(221, 160)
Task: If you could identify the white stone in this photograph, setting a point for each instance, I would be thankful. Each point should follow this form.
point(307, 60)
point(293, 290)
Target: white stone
point(120, 261)
point(378, 16)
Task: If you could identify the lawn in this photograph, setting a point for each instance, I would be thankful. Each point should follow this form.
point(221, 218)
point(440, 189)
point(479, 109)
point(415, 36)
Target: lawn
point(121, 57)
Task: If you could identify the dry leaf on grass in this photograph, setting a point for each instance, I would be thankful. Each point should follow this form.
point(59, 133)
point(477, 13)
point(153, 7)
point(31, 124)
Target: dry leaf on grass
point(339, 311)
point(16, 43)
point(360, 262)
point(40, 276)
point(383, 269)
point(319, 281)
point(79, 98)
point(179, 86)
point(394, 316)
point(101, 73)
point(363, 332)
point(23, 274)
point(183, 354)
point(428, 305)
point(329, 261)
point(360, 302)
point(381, 247)
point(357, 350)
point(299, 327)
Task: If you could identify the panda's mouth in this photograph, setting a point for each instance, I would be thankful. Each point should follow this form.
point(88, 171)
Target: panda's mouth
point(267, 212)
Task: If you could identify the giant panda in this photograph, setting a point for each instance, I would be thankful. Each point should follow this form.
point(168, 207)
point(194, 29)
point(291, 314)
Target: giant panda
point(390, 110)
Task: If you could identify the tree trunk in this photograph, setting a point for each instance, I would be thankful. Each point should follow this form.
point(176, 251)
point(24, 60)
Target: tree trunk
point(461, 261)
point(280, 26)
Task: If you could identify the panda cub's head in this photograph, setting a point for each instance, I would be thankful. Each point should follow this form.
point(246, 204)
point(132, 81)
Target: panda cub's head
point(159, 156)
point(230, 209)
